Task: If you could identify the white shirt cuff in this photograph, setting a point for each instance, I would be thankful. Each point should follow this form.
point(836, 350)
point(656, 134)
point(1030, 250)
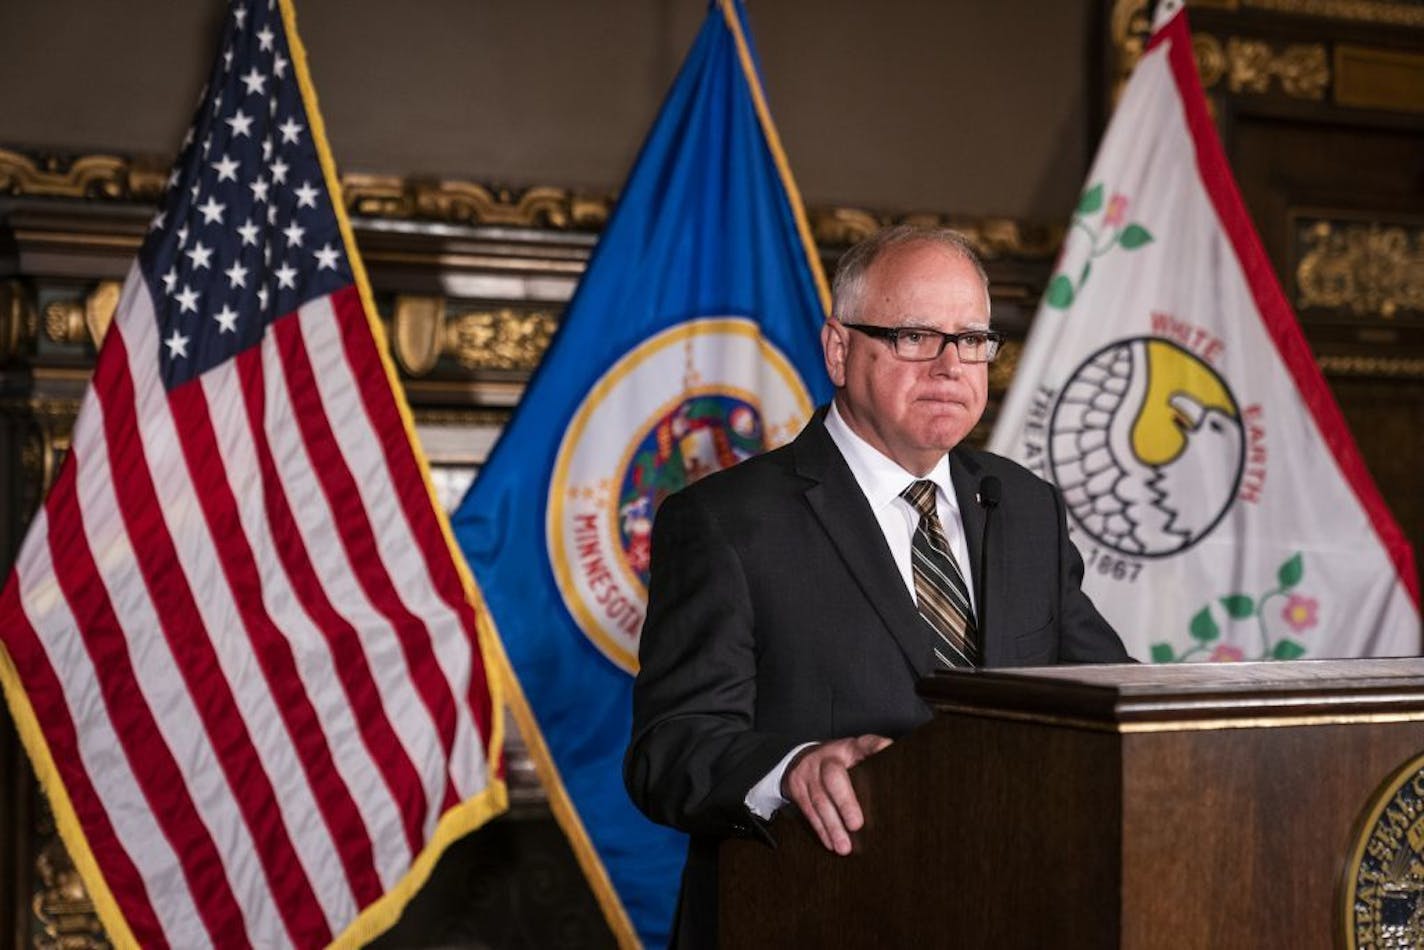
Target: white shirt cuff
point(765, 796)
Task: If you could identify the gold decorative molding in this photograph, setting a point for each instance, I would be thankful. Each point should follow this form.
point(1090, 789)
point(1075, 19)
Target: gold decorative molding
point(18, 323)
point(89, 176)
point(1302, 68)
point(469, 203)
point(464, 202)
point(498, 339)
point(991, 237)
point(86, 321)
point(1364, 269)
point(61, 906)
point(1380, 12)
point(1395, 367)
point(1368, 78)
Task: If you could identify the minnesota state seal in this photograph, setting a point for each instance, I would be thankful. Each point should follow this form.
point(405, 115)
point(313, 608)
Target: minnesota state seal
point(694, 399)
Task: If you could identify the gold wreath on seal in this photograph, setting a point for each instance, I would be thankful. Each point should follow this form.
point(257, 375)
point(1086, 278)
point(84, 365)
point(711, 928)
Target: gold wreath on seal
point(1382, 899)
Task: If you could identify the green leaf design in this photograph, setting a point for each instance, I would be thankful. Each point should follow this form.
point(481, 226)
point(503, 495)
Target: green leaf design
point(1092, 200)
point(1060, 292)
point(1291, 572)
point(1134, 236)
point(1163, 653)
point(1203, 627)
point(1288, 650)
point(1239, 606)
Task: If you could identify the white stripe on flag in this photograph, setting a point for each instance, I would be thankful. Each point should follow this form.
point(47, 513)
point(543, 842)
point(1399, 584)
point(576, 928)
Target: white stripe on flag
point(316, 522)
point(311, 651)
point(396, 543)
point(201, 564)
point(100, 750)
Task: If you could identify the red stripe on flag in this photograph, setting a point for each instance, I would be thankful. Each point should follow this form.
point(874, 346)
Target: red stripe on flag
point(158, 774)
point(183, 627)
point(409, 483)
point(357, 536)
point(46, 697)
point(400, 775)
point(1280, 319)
point(274, 654)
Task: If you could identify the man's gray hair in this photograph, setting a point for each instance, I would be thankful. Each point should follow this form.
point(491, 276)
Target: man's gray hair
point(848, 287)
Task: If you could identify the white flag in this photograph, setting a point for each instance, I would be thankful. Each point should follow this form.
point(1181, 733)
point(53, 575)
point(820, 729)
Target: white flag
point(1220, 503)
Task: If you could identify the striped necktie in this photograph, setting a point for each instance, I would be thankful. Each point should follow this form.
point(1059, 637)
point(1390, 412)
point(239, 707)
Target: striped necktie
point(940, 591)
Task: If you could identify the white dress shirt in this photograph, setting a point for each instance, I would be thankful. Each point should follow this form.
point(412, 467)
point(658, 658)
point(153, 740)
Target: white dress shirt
point(882, 480)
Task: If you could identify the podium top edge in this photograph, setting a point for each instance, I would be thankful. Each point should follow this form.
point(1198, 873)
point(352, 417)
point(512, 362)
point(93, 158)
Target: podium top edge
point(1121, 697)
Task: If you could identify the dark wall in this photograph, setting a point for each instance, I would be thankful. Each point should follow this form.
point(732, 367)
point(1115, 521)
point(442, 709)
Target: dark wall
point(941, 105)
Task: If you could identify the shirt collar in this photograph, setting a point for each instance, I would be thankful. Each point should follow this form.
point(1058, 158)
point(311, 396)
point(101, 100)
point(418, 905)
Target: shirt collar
point(880, 477)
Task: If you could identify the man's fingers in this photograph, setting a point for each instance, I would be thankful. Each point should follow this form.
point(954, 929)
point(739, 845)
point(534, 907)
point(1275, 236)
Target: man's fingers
point(827, 805)
point(842, 796)
point(867, 745)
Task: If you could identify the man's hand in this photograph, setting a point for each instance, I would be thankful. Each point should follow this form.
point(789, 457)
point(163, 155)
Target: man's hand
point(818, 781)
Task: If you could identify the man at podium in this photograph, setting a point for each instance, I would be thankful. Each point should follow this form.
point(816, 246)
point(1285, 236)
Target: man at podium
point(796, 599)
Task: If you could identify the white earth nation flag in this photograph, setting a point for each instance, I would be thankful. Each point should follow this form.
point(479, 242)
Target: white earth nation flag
point(1221, 506)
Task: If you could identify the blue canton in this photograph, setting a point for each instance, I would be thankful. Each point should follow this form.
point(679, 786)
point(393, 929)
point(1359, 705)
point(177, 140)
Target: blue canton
point(246, 233)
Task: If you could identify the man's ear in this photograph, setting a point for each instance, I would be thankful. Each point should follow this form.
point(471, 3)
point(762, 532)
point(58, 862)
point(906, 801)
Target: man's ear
point(834, 345)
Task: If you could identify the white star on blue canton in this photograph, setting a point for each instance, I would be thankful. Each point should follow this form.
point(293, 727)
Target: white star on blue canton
point(286, 276)
point(200, 254)
point(212, 211)
point(327, 256)
point(248, 232)
point(294, 233)
point(177, 344)
point(187, 300)
point(254, 81)
point(265, 37)
point(259, 189)
point(306, 195)
point(226, 169)
point(170, 279)
point(236, 275)
point(239, 13)
point(279, 66)
point(241, 123)
point(279, 171)
point(290, 130)
point(227, 319)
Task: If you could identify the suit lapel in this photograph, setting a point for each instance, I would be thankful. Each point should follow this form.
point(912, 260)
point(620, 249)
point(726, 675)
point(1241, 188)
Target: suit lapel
point(965, 472)
point(840, 506)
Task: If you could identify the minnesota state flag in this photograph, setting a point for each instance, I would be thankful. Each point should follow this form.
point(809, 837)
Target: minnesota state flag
point(1221, 505)
point(691, 344)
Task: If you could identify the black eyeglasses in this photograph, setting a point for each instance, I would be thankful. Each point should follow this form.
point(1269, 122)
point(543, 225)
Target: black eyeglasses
point(922, 344)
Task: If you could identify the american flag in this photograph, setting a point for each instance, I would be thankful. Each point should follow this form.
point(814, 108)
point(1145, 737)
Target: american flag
point(242, 654)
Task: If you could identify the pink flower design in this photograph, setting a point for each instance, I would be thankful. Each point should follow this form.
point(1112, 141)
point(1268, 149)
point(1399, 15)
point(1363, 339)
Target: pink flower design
point(1226, 654)
point(1301, 612)
point(1117, 210)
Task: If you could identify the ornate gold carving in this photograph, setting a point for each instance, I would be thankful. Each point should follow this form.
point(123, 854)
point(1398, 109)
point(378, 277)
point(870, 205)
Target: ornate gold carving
point(1130, 27)
point(991, 237)
point(61, 904)
point(72, 321)
point(418, 326)
point(503, 339)
point(1397, 367)
point(499, 339)
point(1388, 12)
point(18, 324)
point(1001, 371)
point(463, 202)
point(89, 176)
point(1211, 61)
point(1302, 68)
point(1368, 78)
point(1365, 269)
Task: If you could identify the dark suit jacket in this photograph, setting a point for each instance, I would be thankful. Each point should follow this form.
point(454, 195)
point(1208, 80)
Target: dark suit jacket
point(776, 616)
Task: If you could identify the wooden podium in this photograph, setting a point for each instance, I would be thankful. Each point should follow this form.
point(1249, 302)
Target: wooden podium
point(1116, 806)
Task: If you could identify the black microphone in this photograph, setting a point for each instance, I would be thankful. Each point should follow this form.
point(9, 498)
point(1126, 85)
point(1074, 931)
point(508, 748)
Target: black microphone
point(990, 490)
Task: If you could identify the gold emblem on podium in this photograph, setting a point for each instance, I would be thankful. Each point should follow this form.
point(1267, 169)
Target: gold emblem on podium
point(1383, 899)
